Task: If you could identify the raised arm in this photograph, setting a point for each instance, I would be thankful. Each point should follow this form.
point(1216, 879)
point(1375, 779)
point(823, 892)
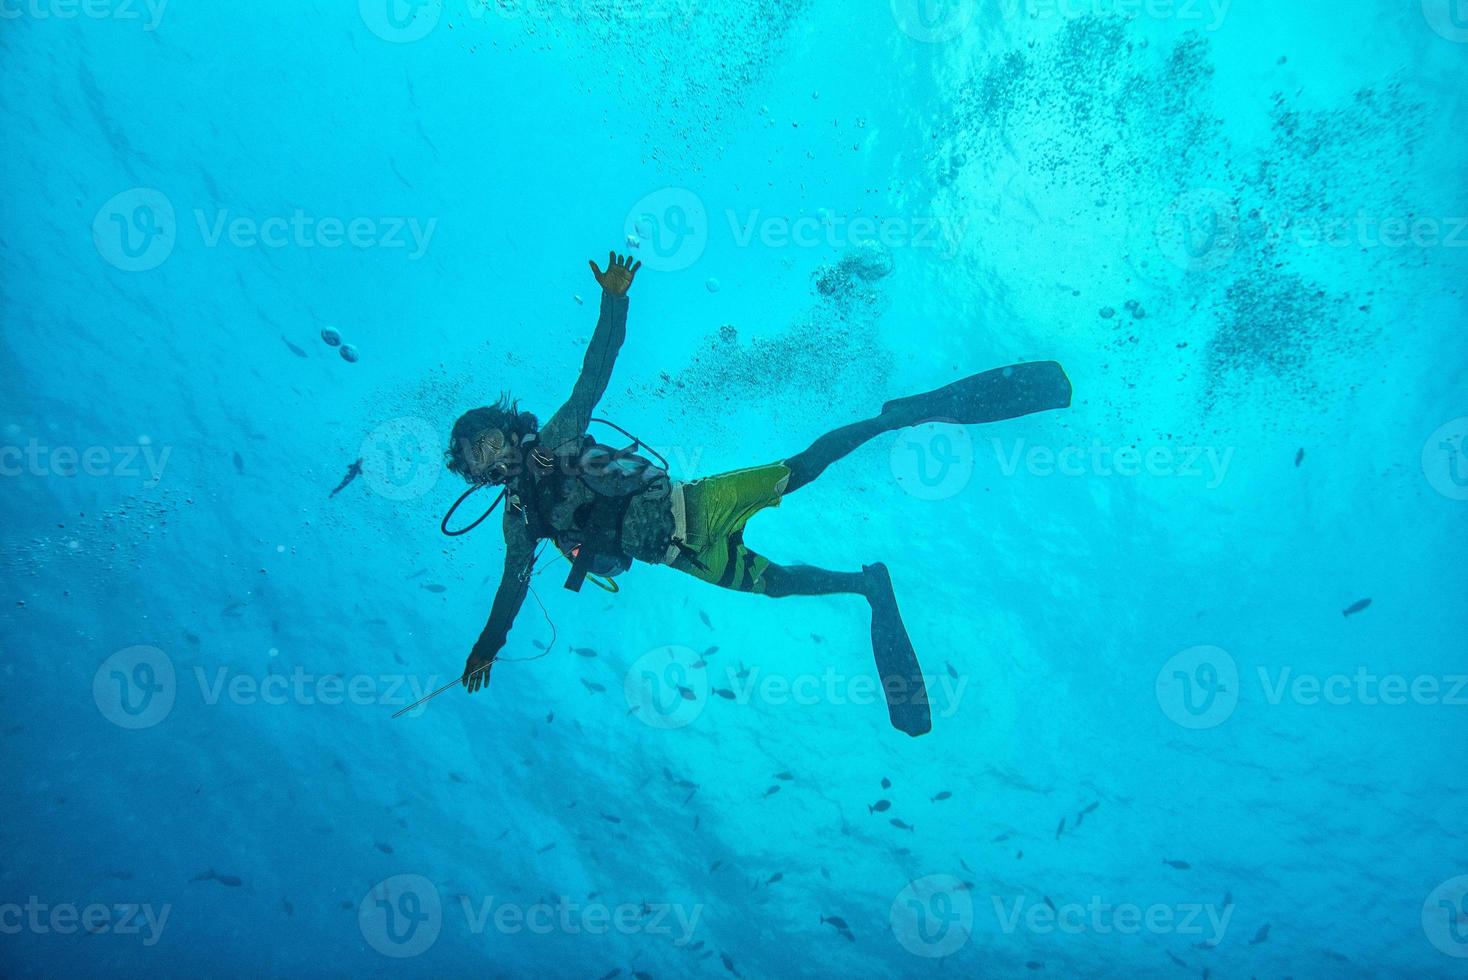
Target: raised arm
point(519, 560)
point(571, 420)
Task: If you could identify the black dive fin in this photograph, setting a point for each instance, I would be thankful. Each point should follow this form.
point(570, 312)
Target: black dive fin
point(1003, 393)
point(902, 678)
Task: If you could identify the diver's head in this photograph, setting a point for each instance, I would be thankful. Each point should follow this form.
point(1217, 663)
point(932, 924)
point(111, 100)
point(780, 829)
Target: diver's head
point(485, 445)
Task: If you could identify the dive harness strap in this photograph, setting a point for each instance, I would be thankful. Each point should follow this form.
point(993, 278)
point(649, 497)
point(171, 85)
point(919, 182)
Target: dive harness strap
point(606, 512)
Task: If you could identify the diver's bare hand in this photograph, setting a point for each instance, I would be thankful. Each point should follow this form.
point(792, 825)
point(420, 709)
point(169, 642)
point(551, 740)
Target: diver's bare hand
point(620, 272)
point(476, 672)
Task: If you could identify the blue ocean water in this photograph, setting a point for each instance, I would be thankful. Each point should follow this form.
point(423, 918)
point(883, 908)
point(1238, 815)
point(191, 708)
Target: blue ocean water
point(1168, 737)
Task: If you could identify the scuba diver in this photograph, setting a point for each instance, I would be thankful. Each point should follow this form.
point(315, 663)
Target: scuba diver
point(605, 508)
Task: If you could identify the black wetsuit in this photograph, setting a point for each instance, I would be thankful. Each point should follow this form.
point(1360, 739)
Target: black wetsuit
point(647, 527)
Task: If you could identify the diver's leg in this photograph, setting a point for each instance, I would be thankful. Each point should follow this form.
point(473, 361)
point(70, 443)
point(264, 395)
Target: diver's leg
point(782, 581)
point(897, 663)
point(993, 396)
point(832, 446)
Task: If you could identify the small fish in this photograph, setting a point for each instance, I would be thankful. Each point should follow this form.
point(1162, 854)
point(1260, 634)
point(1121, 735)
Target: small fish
point(1299, 458)
point(705, 617)
point(834, 920)
point(886, 783)
point(1356, 607)
point(743, 671)
point(547, 847)
point(239, 464)
point(593, 686)
point(945, 795)
point(825, 874)
point(1091, 809)
point(700, 664)
point(1338, 957)
point(1034, 965)
point(233, 611)
point(964, 864)
point(287, 907)
point(728, 963)
point(679, 782)
point(539, 645)
point(193, 638)
point(435, 588)
point(777, 876)
point(384, 848)
point(641, 975)
point(687, 693)
point(1174, 957)
point(881, 806)
point(344, 904)
point(696, 818)
point(1261, 936)
point(784, 776)
point(293, 348)
point(617, 972)
point(901, 825)
point(1178, 865)
point(711, 651)
point(771, 792)
point(455, 777)
point(715, 866)
point(228, 881)
point(550, 717)
point(1050, 904)
point(951, 672)
point(1000, 839)
point(1060, 829)
point(724, 693)
point(583, 651)
point(611, 819)
point(353, 471)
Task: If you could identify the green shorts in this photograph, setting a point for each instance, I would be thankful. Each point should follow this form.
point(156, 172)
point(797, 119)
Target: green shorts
point(715, 511)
